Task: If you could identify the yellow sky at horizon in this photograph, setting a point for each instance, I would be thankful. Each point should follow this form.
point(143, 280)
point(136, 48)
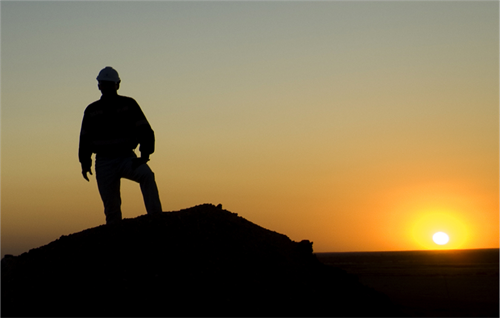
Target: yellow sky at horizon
point(345, 123)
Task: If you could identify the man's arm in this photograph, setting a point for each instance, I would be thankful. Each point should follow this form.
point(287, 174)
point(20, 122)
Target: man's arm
point(84, 150)
point(146, 141)
point(145, 133)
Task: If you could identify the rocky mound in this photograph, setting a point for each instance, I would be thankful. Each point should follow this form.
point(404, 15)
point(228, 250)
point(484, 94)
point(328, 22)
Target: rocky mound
point(202, 261)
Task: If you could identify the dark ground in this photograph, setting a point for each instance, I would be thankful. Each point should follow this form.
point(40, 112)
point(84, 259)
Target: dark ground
point(445, 283)
point(202, 261)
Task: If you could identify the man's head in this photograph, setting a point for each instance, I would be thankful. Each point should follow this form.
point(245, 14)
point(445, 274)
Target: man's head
point(109, 81)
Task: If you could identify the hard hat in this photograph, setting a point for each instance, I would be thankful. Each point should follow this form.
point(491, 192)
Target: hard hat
point(108, 74)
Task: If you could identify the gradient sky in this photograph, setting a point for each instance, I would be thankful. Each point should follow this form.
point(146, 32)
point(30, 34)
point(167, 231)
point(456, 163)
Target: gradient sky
point(361, 126)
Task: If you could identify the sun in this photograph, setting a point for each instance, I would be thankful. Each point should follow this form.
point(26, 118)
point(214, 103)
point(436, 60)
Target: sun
point(440, 238)
point(425, 230)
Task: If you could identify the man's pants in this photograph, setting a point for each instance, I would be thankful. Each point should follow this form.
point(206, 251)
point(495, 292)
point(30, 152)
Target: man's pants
point(109, 171)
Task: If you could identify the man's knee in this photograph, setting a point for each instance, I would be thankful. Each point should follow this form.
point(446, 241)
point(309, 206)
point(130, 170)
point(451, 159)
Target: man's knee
point(144, 173)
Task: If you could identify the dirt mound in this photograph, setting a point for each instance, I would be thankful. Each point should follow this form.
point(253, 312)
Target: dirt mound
point(202, 261)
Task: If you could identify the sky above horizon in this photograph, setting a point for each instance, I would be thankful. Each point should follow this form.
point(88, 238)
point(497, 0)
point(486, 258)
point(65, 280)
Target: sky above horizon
point(361, 126)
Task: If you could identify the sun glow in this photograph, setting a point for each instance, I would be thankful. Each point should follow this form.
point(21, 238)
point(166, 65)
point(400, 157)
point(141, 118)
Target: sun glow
point(439, 230)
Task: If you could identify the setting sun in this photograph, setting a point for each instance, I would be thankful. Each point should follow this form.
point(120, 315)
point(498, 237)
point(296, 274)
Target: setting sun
point(440, 238)
point(434, 229)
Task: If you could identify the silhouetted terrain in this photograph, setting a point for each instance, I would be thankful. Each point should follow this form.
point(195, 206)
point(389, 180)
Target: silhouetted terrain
point(202, 261)
point(429, 283)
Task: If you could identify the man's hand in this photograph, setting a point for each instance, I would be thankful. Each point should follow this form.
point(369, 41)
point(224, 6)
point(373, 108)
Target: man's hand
point(136, 162)
point(84, 173)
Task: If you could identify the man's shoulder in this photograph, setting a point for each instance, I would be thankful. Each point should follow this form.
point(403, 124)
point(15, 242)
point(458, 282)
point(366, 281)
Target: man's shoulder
point(127, 99)
point(94, 106)
point(127, 102)
point(100, 103)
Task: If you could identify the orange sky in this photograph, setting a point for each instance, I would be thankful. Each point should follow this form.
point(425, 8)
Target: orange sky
point(361, 126)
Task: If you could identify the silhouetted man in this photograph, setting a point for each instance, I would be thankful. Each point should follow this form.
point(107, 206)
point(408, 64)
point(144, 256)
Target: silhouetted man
point(112, 127)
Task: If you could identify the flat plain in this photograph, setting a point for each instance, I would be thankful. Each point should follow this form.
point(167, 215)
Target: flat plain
point(436, 283)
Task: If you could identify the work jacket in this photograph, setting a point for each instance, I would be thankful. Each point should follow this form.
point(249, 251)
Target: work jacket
point(114, 126)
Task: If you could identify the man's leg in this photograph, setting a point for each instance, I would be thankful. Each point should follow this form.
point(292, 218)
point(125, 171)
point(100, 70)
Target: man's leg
point(108, 182)
point(146, 178)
